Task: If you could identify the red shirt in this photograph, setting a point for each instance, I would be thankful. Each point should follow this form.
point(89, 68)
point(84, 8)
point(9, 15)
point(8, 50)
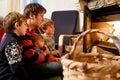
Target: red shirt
point(29, 52)
point(2, 31)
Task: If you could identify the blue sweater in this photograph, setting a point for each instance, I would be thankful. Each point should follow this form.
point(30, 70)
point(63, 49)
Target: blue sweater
point(11, 66)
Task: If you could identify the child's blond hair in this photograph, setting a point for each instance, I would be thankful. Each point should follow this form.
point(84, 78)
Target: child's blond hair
point(46, 23)
point(11, 19)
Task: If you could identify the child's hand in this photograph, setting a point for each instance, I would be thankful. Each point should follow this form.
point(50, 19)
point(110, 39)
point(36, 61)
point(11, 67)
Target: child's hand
point(53, 59)
point(46, 51)
point(58, 59)
point(57, 53)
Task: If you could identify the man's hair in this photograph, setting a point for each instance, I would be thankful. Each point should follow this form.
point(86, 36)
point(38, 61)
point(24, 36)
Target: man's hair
point(46, 23)
point(33, 8)
point(10, 20)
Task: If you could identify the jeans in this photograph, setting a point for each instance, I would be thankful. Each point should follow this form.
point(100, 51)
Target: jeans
point(44, 71)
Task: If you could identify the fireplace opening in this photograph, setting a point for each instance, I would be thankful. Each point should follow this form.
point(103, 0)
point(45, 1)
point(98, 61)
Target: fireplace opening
point(109, 15)
point(106, 18)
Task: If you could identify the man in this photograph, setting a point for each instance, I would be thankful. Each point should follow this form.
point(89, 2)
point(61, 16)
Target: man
point(36, 66)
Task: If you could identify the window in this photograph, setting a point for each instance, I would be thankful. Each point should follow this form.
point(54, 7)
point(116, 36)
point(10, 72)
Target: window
point(39, 1)
point(23, 3)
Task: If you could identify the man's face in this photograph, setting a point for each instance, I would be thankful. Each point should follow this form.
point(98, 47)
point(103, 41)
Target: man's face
point(38, 19)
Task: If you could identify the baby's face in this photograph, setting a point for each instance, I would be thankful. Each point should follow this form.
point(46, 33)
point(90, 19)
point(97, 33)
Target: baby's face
point(39, 43)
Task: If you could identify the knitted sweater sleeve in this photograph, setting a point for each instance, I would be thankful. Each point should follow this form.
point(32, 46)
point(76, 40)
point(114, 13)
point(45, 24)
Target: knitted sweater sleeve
point(13, 54)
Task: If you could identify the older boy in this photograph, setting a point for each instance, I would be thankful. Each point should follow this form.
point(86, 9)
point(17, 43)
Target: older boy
point(11, 65)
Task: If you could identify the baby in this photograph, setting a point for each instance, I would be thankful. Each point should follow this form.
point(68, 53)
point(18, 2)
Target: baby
point(41, 48)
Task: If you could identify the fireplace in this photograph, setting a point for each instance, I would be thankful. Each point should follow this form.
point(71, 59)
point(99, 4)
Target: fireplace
point(106, 18)
point(109, 13)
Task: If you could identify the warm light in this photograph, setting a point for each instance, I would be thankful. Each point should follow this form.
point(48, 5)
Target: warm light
point(116, 25)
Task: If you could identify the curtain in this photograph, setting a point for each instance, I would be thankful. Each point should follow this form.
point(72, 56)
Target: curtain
point(16, 5)
point(13, 5)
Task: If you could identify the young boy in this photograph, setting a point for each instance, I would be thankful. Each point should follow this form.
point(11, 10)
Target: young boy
point(41, 48)
point(48, 29)
point(11, 65)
